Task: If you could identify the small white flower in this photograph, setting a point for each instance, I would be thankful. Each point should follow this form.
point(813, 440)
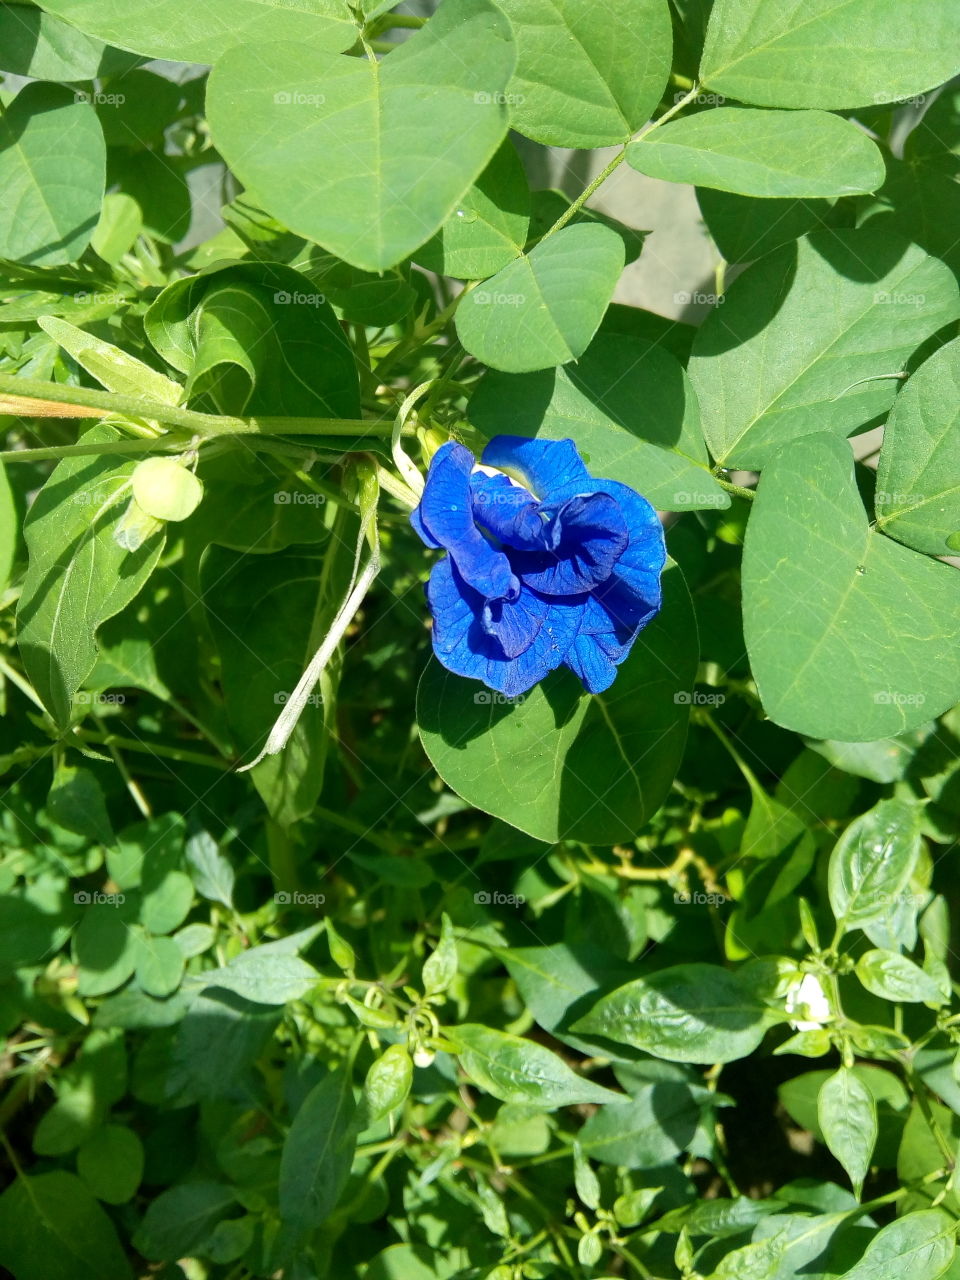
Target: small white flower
point(809, 999)
point(423, 1057)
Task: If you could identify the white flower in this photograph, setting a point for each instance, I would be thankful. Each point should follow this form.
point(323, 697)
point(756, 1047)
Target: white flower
point(809, 999)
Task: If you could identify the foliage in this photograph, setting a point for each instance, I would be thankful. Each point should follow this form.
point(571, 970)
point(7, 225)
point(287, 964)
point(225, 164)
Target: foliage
point(317, 960)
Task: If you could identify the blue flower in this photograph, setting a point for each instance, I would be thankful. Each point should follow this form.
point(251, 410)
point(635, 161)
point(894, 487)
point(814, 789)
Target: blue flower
point(545, 564)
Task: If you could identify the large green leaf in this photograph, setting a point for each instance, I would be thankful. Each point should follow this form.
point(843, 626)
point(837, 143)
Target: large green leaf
point(52, 174)
point(367, 158)
point(514, 1069)
point(652, 1128)
point(317, 1155)
point(200, 33)
point(630, 408)
point(850, 635)
point(847, 1115)
point(257, 338)
point(78, 575)
point(811, 337)
point(919, 1245)
point(562, 763)
point(51, 1228)
point(763, 153)
point(583, 80)
point(828, 53)
point(745, 228)
point(918, 476)
point(543, 309)
point(688, 1013)
point(34, 43)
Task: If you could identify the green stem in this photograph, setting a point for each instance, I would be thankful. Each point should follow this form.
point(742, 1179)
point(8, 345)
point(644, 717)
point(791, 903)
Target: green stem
point(737, 489)
point(153, 445)
point(152, 749)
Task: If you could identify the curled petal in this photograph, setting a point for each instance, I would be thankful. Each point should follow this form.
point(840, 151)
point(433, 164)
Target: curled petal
point(507, 510)
point(546, 467)
point(587, 538)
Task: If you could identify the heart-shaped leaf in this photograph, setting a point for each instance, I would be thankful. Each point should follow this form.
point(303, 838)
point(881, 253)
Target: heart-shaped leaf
point(543, 309)
point(763, 153)
point(367, 158)
point(850, 635)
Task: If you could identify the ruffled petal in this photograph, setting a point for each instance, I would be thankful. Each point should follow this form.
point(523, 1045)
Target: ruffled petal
point(446, 514)
point(507, 511)
point(463, 646)
point(515, 623)
point(546, 467)
point(587, 538)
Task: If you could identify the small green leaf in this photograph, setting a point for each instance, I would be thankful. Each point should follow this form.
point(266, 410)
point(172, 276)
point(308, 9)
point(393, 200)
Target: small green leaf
point(893, 977)
point(847, 1115)
point(265, 977)
point(517, 1070)
point(387, 1084)
point(872, 862)
point(543, 309)
point(763, 153)
point(652, 1128)
point(317, 1155)
point(687, 1013)
point(76, 801)
point(211, 872)
point(440, 968)
point(111, 1163)
point(105, 948)
point(585, 1180)
point(180, 1218)
point(160, 963)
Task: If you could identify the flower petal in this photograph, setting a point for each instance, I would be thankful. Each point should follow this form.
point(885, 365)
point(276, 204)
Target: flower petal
point(515, 623)
point(446, 514)
point(463, 647)
point(587, 536)
point(507, 510)
point(544, 466)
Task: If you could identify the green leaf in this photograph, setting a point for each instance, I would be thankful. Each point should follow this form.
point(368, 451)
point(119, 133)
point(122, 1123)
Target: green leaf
point(51, 1228)
point(919, 1245)
point(111, 1163)
point(828, 53)
point(180, 1218)
point(105, 949)
point(543, 309)
point(35, 44)
point(166, 29)
point(387, 1084)
point(440, 967)
point(317, 1155)
point(745, 228)
point(115, 369)
point(167, 889)
point(296, 150)
point(212, 873)
point(78, 576)
point(847, 1115)
point(687, 1013)
point(9, 529)
point(762, 153)
point(630, 408)
point(52, 174)
point(893, 977)
point(76, 801)
point(850, 635)
point(808, 339)
point(257, 338)
point(265, 977)
point(583, 81)
point(760, 1260)
point(563, 764)
point(918, 490)
point(651, 1129)
point(160, 964)
point(517, 1070)
point(489, 226)
point(873, 861)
